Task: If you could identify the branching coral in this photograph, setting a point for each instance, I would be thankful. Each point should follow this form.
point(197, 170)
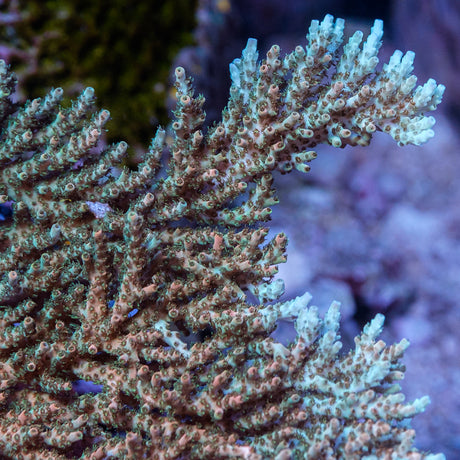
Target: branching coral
point(141, 282)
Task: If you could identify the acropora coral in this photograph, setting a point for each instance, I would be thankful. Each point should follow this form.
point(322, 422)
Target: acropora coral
point(137, 307)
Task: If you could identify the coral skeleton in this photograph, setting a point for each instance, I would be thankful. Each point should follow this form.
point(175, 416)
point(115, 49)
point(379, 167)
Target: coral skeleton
point(137, 306)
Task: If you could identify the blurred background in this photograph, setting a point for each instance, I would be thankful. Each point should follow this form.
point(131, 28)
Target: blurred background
point(376, 228)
